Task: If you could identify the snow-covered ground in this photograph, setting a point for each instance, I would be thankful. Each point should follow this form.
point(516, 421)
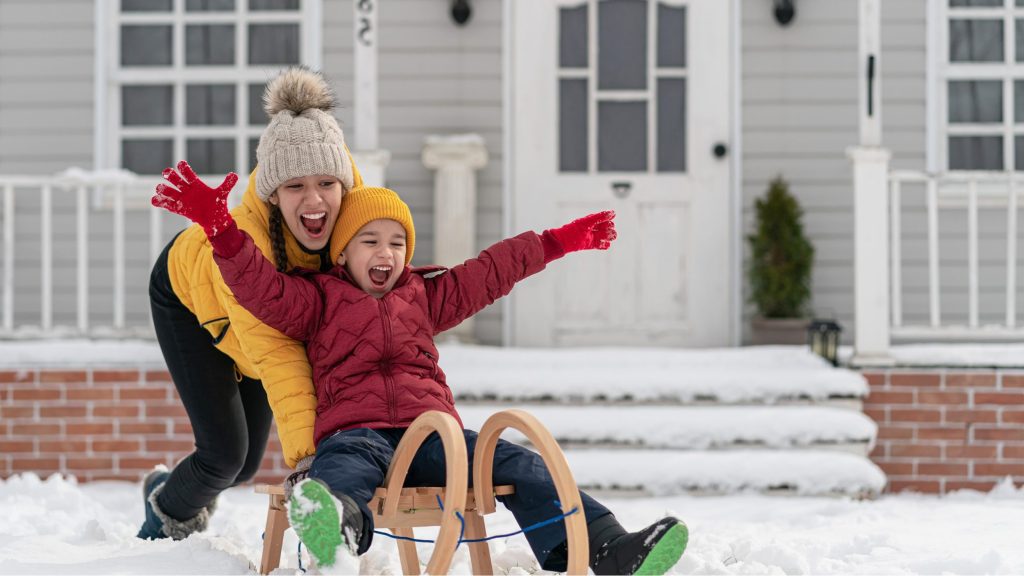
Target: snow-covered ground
point(55, 526)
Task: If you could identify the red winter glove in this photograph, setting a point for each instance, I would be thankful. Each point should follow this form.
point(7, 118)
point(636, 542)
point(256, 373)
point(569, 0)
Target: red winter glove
point(208, 207)
point(593, 232)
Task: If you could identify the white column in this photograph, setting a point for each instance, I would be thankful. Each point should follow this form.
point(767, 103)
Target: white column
point(365, 32)
point(869, 93)
point(871, 254)
point(371, 161)
point(455, 158)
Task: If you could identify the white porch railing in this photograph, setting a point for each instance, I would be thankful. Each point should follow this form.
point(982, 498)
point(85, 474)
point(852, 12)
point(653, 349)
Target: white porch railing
point(966, 192)
point(107, 194)
point(879, 214)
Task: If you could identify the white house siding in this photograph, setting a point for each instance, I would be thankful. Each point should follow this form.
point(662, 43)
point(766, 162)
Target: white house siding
point(435, 78)
point(46, 125)
point(799, 106)
point(799, 114)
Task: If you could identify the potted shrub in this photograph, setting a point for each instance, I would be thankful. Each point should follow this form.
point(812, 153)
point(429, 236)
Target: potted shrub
point(781, 258)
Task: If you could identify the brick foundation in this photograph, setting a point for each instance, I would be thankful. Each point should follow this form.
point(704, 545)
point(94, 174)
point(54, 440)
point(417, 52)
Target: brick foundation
point(939, 429)
point(99, 424)
point(943, 429)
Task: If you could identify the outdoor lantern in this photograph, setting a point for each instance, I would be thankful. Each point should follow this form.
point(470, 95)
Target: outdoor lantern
point(823, 338)
point(461, 11)
point(785, 11)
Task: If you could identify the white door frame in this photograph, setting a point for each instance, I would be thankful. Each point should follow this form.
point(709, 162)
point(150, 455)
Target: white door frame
point(735, 319)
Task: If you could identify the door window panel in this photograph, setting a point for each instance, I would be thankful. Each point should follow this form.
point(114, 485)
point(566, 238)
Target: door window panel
point(671, 36)
point(672, 125)
point(622, 136)
point(622, 45)
point(573, 44)
point(572, 128)
point(604, 107)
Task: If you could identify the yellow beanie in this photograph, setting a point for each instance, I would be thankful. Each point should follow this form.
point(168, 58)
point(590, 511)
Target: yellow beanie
point(365, 204)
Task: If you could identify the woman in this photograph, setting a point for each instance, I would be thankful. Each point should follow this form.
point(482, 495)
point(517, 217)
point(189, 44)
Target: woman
point(216, 352)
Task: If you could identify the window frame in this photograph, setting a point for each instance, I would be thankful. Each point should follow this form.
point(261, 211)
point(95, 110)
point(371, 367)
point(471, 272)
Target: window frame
point(941, 71)
point(110, 76)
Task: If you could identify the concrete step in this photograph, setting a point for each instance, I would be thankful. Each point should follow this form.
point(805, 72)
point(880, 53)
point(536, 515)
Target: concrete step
point(666, 472)
point(694, 428)
point(760, 375)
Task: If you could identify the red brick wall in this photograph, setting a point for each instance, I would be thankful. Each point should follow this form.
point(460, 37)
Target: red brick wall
point(945, 429)
point(98, 424)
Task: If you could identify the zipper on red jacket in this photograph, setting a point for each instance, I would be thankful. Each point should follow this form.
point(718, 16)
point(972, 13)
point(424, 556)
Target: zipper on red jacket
point(389, 383)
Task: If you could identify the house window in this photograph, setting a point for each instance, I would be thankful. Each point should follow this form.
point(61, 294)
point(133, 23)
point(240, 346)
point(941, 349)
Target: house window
point(982, 84)
point(187, 76)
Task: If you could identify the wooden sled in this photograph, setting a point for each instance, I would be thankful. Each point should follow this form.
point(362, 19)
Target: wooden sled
point(415, 507)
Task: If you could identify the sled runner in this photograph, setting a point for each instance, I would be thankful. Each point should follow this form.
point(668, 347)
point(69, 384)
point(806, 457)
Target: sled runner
point(402, 509)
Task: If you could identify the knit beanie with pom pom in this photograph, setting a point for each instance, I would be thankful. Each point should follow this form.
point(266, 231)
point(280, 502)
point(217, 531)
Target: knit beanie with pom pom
point(303, 138)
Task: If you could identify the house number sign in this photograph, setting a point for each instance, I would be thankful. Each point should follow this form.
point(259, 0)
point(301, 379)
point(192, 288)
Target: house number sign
point(366, 18)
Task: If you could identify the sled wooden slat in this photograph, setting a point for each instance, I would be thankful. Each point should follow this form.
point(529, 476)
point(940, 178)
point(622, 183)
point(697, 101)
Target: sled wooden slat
point(418, 506)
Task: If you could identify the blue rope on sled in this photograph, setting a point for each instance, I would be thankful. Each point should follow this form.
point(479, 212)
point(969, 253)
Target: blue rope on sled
point(462, 529)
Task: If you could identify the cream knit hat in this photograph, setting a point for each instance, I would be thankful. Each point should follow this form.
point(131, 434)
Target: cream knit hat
point(303, 138)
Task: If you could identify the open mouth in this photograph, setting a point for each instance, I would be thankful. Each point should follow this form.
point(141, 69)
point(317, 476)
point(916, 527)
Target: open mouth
point(314, 222)
point(379, 275)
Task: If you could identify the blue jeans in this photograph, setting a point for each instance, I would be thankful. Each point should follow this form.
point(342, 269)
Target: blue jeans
point(354, 462)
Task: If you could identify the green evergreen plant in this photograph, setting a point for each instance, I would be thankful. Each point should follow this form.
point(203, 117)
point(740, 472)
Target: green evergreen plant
point(781, 256)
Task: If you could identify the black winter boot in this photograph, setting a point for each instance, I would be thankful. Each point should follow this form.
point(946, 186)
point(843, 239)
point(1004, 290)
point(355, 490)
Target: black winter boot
point(158, 524)
point(652, 550)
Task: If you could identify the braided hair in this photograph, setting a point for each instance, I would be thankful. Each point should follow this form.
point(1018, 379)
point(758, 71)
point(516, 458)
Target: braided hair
point(277, 238)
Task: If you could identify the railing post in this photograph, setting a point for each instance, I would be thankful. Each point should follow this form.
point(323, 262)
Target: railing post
point(871, 254)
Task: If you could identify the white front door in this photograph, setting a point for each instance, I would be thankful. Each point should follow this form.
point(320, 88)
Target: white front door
point(624, 105)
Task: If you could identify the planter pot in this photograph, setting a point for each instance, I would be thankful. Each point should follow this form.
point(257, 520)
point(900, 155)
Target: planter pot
point(778, 330)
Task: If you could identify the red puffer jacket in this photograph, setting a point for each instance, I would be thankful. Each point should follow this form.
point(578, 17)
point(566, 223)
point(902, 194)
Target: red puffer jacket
point(374, 360)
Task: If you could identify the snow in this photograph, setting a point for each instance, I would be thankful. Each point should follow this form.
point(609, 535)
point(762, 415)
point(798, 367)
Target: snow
point(959, 355)
point(690, 427)
point(56, 526)
point(758, 374)
point(810, 472)
point(730, 375)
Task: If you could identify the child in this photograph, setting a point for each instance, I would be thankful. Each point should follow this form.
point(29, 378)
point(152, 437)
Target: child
point(368, 325)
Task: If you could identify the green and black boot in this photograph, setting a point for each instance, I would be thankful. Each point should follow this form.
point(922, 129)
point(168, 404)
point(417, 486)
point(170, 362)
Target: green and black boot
point(653, 550)
point(328, 525)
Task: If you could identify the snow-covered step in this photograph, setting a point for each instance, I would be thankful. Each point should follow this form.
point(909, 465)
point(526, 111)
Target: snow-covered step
point(766, 375)
point(694, 428)
point(663, 473)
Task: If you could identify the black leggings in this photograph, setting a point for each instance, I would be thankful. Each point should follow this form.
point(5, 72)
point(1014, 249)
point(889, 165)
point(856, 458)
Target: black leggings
point(230, 415)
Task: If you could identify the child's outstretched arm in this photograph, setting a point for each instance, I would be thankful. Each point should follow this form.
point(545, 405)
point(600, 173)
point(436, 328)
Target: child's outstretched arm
point(469, 287)
point(292, 305)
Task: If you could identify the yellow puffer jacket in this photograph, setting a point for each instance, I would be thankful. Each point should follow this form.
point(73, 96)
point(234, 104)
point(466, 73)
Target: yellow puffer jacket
point(258, 350)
